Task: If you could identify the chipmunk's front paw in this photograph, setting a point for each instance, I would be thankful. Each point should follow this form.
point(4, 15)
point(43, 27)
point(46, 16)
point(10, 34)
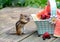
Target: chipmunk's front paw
point(18, 33)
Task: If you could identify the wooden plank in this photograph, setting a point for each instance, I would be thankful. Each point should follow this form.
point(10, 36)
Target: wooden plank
point(11, 36)
point(52, 39)
point(8, 19)
point(56, 40)
point(6, 23)
point(35, 38)
point(7, 33)
point(4, 40)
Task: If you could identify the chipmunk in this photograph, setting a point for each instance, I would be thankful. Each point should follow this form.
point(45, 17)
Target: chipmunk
point(21, 22)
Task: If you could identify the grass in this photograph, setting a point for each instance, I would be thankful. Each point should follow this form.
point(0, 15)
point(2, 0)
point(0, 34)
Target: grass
point(24, 3)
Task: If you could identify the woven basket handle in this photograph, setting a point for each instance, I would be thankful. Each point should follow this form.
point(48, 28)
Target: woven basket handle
point(53, 11)
point(53, 7)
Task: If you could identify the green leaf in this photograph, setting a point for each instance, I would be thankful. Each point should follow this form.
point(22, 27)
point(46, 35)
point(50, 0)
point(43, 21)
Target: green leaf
point(58, 4)
point(1, 6)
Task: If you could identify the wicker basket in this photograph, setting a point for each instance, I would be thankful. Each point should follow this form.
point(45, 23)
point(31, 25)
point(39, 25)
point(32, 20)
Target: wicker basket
point(46, 25)
point(43, 25)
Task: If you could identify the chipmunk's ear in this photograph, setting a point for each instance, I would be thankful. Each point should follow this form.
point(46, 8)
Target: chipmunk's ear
point(21, 14)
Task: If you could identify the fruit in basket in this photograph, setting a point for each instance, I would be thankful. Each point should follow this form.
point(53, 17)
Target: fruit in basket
point(43, 16)
point(49, 13)
point(48, 16)
point(46, 35)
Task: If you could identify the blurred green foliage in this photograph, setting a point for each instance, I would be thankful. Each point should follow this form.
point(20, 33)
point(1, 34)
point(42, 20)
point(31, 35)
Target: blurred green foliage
point(24, 3)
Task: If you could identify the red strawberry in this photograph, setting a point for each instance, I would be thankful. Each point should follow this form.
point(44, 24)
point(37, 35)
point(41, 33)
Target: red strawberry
point(43, 16)
point(48, 16)
point(46, 35)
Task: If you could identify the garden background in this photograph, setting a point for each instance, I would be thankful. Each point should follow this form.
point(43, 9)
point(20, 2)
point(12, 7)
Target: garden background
point(25, 3)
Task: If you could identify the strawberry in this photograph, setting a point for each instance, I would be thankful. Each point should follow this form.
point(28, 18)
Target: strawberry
point(46, 35)
point(43, 16)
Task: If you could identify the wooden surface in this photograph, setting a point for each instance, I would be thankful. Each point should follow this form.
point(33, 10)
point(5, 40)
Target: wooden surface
point(8, 18)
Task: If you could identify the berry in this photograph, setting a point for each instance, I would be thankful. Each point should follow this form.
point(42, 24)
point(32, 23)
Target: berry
point(46, 35)
point(43, 16)
point(49, 13)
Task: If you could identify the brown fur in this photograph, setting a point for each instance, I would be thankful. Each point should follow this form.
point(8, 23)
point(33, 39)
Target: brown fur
point(20, 24)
